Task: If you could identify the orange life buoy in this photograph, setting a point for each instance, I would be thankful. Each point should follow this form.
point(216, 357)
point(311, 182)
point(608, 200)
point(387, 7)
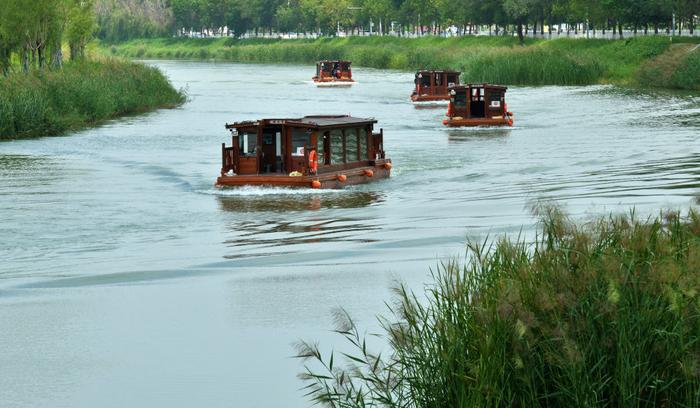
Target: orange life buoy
point(313, 161)
point(316, 184)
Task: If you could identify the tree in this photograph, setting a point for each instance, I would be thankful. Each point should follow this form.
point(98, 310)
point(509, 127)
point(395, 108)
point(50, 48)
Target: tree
point(519, 11)
point(81, 27)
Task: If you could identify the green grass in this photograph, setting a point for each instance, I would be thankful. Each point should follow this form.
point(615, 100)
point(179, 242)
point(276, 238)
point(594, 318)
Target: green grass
point(481, 59)
point(603, 314)
point(50, 102)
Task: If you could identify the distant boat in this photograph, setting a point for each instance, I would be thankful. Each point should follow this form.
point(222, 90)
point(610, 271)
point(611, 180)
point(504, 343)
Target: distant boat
point(433, 86)
point(311, 152)
point(478, 105)
point(333, 73)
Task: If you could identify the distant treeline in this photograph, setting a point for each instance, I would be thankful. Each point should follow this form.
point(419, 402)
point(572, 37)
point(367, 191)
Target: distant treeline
point(122, 19)
point(35, 31)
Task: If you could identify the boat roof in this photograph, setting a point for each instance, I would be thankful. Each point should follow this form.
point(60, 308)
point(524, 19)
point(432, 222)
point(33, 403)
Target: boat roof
point(341, 61)
point(489, 86)
point(437, 71)
point(309, 122)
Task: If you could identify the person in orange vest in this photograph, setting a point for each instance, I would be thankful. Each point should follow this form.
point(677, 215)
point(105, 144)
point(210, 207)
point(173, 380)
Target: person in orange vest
point(313, 161)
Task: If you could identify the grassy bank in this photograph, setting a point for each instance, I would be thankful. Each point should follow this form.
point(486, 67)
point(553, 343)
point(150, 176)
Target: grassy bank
point(604, 314)
point(481, 59)
point(50, 102)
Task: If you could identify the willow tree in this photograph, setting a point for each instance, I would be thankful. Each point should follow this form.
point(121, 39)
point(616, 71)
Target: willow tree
point(81, 26)
point(519, 11)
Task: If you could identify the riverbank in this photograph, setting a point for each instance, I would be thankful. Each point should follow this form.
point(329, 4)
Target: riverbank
point(481, 59)
point(50, 102)
point(597, 314)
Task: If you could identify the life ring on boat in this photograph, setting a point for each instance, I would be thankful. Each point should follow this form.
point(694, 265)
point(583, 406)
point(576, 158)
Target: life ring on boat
point(342, 178)
point(315, 184)
point(387, 166)
point(313, 161)
point(369, 173)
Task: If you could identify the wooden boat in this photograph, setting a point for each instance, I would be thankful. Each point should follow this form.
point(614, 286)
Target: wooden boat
point(311, 152)
point(333, 73)
point(478, 105)
point(433, 86)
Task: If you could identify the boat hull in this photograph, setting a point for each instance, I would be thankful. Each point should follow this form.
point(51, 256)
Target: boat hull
point(429, 98)
point(331, 180)
point(335, 82)
point(474, 122)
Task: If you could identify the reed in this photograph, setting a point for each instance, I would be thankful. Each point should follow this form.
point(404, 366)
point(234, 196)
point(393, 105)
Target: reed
point(51, 102)
point(491, 59)
point(601, 314)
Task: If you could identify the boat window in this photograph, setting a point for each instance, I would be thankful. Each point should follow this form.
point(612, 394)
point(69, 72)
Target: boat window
point(320, 149)
point(247, 143)
point(438, 79)
point(351, 144)
point(300, 139)
point(337, 154)
point(460, 99)
point(425, 81)
point(363, 143)
point(495, 99)
point(451, 79)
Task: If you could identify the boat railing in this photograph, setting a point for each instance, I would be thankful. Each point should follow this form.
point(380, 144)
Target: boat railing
point(229, 159)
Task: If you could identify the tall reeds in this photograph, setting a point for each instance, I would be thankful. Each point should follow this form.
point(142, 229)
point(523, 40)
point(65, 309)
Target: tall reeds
point(481, 59)
point(605, 314)
point(50, 102)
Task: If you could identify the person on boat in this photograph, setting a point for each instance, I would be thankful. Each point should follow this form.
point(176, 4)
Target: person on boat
point(336, 70)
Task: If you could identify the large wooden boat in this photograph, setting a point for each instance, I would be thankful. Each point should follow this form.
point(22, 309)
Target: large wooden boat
point(433, 86)
point(478, 105)
point(333, 73)
point(311, 152)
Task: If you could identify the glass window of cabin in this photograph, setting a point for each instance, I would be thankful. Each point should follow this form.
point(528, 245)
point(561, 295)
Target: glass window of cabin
point(351, 144)
point(247, 142)
point(300, 139)
point(438, 79)
point(425, 80)
point(495, 99)
point(363, 143)
point(320, 151)
point(460, 99)
point(337, 153)
point(451, 79)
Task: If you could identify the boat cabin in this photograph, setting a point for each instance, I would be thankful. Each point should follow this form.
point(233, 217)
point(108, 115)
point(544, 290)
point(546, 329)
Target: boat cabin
point(434, 85)
point(478, 105)
point(332, 71)
point(313, 151)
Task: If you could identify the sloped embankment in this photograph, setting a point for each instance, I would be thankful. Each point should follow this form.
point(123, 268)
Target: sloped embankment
point(677, 68)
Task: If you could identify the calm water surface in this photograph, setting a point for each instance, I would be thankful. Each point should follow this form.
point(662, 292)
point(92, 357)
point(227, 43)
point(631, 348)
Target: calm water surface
point(126, 279)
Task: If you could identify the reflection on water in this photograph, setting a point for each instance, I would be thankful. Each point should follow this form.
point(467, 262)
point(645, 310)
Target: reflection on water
point(298, 202)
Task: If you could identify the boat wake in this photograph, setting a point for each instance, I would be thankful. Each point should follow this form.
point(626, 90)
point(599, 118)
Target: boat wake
point(257, 191)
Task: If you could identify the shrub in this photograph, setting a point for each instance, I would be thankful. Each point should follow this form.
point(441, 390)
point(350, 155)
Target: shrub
point(50, 102)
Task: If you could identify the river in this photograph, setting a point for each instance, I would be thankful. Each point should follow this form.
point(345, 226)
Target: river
point(126, 279)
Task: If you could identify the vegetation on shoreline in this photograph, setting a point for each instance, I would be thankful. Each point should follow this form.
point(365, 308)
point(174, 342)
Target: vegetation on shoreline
point(481, 59)
point(48, 102)
point(602, 314)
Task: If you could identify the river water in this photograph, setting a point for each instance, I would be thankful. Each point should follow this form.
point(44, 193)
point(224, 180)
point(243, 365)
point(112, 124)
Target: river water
point(126, 279)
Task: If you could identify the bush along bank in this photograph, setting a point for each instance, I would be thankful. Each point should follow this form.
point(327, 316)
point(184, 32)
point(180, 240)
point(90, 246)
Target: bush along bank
point(605, 314)
point(49, 102)
point(481, 59)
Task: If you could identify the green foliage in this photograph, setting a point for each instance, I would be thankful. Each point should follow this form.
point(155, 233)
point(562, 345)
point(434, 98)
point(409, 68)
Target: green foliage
point(604, 314)
point(51, 102)
point(121, 20)
point(480, 59)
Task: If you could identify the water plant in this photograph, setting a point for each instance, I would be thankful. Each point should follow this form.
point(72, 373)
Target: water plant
point(605, 313)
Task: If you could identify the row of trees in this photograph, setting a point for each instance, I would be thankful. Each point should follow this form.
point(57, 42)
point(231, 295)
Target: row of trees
point(35, 31)
point(119, 20)
point(325, 16)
